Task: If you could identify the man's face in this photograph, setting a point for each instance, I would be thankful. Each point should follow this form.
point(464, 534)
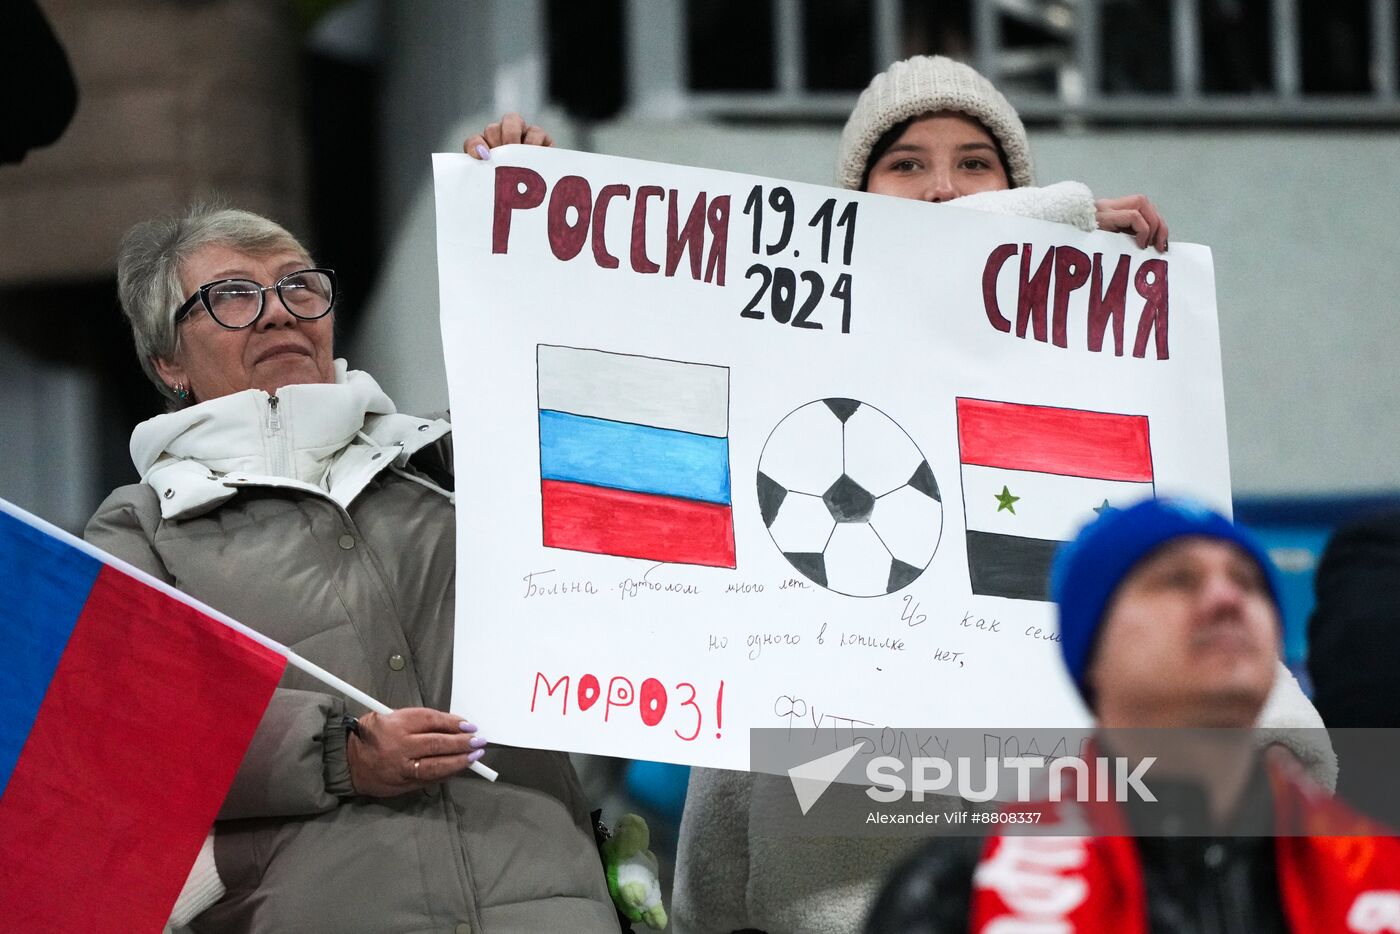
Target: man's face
point(1189, 639)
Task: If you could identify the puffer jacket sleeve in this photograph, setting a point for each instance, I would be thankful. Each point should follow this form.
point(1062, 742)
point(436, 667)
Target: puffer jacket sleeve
point(296, 763)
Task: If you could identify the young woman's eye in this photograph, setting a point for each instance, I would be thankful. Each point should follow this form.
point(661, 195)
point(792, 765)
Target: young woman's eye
point(977, 165)
point(904, 165)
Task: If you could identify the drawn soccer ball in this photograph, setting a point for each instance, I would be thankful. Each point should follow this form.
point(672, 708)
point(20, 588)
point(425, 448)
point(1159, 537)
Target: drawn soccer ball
point(849, 498)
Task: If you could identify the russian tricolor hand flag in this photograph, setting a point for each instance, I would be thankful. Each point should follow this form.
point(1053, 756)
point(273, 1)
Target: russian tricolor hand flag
point(124, 713)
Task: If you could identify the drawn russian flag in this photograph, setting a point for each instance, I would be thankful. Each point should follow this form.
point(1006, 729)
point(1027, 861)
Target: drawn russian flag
point(1032, 475)
point(124, 713)
point(634, 456)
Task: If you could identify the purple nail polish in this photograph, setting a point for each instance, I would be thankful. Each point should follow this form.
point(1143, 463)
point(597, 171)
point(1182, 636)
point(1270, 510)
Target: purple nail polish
point(466, 727)
point(473, 756)
point(476, 742)
point(482, 151)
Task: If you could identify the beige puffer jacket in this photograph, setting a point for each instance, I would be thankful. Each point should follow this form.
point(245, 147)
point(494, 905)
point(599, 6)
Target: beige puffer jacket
point(366, 590)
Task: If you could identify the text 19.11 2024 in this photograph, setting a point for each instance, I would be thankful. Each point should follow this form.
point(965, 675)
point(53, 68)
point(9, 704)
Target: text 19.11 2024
point(792, 296)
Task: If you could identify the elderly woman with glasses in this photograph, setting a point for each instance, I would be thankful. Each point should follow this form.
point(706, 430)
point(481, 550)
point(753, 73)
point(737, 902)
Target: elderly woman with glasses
point(284, 489)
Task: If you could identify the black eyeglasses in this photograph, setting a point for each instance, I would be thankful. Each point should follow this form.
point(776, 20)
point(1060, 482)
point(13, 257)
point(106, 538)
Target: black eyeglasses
point(238, 303)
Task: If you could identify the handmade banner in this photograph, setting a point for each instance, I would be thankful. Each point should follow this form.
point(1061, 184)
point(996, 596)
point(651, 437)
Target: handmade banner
point(735, 452)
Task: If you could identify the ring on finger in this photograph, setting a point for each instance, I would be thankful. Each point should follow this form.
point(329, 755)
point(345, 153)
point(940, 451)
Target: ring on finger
point(415, 770)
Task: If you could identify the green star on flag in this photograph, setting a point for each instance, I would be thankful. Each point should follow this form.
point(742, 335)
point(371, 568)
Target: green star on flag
point(1005, 499)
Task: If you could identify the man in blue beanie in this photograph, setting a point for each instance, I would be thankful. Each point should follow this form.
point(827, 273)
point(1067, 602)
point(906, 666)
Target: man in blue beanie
point(1169, 618)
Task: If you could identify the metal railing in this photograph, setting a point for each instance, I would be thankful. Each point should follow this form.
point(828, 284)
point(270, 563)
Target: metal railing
point(1072, 57)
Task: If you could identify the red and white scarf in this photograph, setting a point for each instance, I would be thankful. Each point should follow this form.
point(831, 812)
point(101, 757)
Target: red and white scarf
point(1331, 878)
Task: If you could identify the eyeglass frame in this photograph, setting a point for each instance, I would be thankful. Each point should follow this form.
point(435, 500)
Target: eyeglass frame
point(201, 296)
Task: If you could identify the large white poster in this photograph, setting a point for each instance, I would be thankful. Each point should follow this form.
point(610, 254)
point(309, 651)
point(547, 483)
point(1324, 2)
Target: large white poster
point(735, 452)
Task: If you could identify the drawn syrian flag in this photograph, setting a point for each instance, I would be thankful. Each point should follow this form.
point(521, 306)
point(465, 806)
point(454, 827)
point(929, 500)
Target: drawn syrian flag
point(634, 456)
point(1032, 475)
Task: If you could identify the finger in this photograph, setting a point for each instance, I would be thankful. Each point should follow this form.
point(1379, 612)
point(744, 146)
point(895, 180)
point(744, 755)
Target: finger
point(427, 720)
point(1142, 230)
point(492, 134)
point(476, 147)
point(442, 767)
point(1125, 221)
point(1115, 221)
point(1158, 233)
point(1125, 203)
point(1149, 211)
point(1158, 226)
point(1131, 222)
point(534, 136)
point(512, 129)
point(426, 745)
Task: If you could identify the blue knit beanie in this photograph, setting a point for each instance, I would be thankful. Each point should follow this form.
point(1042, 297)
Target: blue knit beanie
point(1087, 570)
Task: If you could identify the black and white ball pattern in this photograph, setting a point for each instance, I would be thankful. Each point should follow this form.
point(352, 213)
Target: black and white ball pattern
point(849, 498)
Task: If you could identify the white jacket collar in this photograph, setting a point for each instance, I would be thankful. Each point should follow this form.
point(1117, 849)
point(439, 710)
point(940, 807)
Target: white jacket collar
point(304, 437)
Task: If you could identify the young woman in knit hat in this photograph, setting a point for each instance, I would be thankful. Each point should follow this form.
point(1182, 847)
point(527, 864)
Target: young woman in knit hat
point(933, 129)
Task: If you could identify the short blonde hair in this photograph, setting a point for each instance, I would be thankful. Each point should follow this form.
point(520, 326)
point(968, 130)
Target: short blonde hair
point(148, 272)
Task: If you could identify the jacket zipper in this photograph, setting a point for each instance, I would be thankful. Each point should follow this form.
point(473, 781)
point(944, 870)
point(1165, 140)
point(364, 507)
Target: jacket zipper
point(277, 447)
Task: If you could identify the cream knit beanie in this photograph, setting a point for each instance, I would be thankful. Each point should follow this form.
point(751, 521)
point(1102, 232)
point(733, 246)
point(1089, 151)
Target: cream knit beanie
point(927, 84)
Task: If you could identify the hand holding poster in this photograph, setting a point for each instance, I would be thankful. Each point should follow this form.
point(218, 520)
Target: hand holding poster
point(735, 452)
